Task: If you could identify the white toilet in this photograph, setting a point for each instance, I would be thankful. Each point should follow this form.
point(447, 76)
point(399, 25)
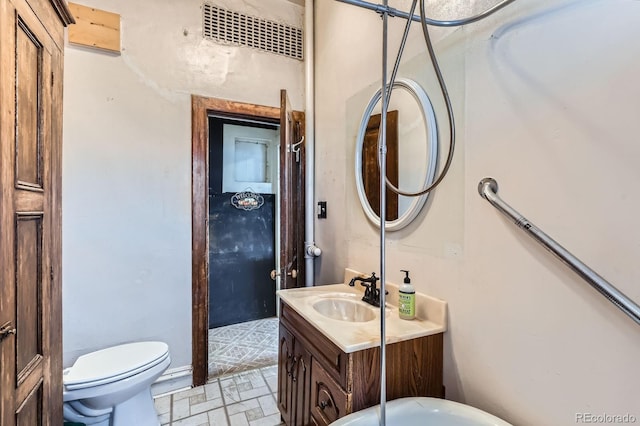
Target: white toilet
point(112, 387)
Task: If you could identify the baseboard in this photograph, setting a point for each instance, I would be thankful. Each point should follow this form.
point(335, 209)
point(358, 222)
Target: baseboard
point(173, 380)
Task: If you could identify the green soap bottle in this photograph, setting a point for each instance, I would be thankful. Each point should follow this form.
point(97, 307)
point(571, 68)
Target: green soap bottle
point(407, 299)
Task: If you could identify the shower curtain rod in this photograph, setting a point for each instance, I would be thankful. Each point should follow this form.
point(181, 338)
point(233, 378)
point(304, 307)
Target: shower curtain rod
point(392, 12)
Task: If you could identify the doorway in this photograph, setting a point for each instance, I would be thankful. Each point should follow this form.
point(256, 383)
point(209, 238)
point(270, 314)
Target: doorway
point(243, 183)
point(288, 209)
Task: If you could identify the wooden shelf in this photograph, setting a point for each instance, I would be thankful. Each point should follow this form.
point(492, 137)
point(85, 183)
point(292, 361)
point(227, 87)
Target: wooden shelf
point(95, 28)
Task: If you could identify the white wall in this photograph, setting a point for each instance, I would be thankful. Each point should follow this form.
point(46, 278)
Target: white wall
point(127, 165)
point(547, 100)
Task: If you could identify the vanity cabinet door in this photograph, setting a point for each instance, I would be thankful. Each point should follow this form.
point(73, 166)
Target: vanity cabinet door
point(294, 379)
point(301, 384)
point(329, 401)
point(285, 384)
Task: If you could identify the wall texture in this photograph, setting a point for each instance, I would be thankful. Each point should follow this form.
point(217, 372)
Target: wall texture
point(547, 98)
point(127, 165)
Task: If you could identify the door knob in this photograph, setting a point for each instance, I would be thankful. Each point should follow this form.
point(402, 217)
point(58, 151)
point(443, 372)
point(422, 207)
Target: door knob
point(293, 274)
point(6, 331)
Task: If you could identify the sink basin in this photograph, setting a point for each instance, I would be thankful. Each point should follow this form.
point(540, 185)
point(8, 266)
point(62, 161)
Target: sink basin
point(344, 310)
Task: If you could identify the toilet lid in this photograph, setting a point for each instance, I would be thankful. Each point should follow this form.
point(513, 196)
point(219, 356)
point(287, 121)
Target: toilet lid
point(114, 363)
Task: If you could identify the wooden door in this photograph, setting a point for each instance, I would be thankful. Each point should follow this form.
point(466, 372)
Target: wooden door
point(292, 199)
point(371, 168)
point(30, 136)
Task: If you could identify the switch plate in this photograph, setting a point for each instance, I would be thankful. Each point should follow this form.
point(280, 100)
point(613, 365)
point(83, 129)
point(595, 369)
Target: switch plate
point(322, 209)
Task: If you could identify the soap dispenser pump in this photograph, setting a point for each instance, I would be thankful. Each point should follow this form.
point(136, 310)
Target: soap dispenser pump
point(407, 299)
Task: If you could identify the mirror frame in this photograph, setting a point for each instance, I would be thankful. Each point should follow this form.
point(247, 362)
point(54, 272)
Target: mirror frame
point(429, 119)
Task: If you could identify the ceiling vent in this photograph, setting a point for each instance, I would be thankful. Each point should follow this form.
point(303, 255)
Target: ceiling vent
point(225, 26)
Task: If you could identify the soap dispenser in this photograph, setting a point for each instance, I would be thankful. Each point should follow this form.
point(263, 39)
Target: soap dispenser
point(407, 299)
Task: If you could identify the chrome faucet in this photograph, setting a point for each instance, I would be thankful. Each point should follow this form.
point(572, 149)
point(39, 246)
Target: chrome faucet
point(371, 293)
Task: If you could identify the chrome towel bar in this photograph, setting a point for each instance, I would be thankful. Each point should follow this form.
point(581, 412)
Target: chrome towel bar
point(488, 189)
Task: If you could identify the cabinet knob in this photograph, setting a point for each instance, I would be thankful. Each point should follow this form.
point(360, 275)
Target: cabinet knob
point(324, 404)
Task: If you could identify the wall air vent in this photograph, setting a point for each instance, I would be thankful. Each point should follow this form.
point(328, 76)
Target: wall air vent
point(225, 26)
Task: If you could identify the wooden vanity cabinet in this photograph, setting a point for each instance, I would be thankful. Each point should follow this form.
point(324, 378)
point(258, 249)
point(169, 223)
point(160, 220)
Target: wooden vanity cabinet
point(319, 383)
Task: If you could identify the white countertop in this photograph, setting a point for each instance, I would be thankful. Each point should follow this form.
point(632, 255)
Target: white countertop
point(354, 336)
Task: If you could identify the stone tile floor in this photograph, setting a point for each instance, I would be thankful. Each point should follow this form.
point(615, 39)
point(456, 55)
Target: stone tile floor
point(242, 399)
point(244, 346)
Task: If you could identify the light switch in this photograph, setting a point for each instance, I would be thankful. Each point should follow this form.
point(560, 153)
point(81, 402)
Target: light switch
point(322, 209)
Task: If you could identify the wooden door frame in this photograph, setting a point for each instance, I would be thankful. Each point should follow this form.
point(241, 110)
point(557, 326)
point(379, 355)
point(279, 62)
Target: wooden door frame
point(201, 109)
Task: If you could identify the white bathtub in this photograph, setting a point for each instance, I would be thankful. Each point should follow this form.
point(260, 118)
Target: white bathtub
point(422, 411)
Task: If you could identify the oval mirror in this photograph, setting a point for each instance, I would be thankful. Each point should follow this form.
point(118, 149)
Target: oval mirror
point(411, 163)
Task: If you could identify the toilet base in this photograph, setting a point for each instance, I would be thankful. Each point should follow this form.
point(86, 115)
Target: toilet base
point(138, 410)
point(72, 415)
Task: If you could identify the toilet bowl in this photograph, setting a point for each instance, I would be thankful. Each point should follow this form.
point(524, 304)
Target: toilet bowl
point(112, 387)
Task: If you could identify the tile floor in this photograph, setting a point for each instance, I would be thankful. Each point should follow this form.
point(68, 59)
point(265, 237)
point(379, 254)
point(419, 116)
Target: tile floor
point(244, 346)
point(242, 399)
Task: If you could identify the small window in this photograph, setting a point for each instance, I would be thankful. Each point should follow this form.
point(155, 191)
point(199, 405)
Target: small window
point(250, 157)
point(251, 160)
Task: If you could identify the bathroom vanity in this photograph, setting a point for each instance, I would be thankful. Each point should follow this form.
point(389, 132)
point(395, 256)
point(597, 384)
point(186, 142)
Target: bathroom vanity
point(329, 354)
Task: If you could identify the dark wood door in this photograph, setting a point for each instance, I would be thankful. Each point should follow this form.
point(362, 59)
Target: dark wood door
point(292, 177)
point(30, 306)
point(371, 168)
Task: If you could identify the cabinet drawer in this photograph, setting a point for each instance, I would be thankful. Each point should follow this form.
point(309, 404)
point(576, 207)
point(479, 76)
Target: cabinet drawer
point(329, 355)
point(329, 401)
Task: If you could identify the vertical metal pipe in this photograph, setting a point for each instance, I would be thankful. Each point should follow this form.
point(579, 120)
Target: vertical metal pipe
point(383, 218)
point(310, 249)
